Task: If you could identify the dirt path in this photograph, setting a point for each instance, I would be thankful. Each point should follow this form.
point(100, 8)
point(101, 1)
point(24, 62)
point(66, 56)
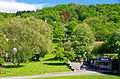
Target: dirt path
point(55, 74)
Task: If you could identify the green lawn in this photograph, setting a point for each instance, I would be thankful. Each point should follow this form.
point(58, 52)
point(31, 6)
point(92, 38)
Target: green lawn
point(85, 77)
point(33, 68)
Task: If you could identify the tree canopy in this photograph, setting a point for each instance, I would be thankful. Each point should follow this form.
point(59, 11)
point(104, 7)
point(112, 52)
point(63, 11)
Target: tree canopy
point(84, 39)
point(29, 35)
point(70, 28)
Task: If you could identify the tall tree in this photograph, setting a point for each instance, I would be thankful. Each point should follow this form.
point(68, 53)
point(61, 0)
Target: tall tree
point(83, 40)
point(30, 36)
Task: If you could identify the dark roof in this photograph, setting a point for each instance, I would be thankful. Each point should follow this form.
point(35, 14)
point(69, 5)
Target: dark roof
point(106, 59)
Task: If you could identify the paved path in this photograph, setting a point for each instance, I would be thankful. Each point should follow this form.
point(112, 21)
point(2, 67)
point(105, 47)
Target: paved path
point(75, 65)
point(82, 72)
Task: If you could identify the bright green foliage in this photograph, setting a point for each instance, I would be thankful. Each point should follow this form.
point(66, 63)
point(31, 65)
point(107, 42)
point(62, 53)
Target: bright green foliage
point(80, 39)
point(114, 41)
point(102, 19)
point(102, 26)
point(58, 32)
point(3, 44)
point(113, 44)
point(69, 53)
point(84, 39)
point(1, 61)
point(30, 36)
point(59, 53)
point(69, 29)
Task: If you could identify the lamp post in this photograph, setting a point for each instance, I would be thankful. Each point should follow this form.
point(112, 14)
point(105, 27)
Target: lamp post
point(86, 55)
point(6, 56)
point(14, 51)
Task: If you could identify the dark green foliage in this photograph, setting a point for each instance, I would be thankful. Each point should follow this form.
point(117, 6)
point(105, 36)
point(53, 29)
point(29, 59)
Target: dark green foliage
point(6, 15)
point(113, 44)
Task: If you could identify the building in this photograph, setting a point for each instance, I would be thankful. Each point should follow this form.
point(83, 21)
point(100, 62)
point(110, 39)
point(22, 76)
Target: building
point(105, 63)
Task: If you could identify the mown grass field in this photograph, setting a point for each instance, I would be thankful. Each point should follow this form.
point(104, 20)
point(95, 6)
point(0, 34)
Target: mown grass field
point(84, 77)
point(34, 68)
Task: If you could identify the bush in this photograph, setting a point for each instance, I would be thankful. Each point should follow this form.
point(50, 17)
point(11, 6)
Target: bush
point(1, 61)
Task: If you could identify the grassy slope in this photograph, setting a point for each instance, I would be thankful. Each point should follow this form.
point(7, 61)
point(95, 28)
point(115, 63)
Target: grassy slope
point(33, 68)
point(85, 77)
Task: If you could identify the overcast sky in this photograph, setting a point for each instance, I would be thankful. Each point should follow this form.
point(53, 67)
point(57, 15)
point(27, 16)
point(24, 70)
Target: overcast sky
point(19, 5)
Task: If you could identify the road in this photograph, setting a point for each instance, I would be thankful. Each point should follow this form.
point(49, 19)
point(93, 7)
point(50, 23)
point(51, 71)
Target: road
point(81, 72)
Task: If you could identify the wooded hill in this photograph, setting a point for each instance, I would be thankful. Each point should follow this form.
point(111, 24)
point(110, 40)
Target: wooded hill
point(70, 27)
point(103, 19)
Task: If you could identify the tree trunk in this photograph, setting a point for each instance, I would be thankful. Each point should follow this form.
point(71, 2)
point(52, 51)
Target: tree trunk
point(37, 57)
point(0, 68)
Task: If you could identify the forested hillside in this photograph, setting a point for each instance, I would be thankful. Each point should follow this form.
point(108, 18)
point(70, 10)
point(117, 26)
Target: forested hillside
point(74, 27)
point(103, 19)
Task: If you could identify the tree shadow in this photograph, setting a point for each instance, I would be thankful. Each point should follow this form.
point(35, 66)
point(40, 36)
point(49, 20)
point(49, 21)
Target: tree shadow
point(55, 64)
point(115, 74)
point(12, 66)
point(51, 59)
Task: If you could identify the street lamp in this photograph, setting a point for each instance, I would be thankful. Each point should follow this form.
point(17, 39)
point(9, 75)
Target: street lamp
point(86, 55)
point(6, 56)
point(14, 51)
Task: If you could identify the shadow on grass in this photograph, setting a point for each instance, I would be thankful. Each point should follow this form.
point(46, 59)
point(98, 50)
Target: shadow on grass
point(12, 66)
point(51, 59)
point(115, 74)
point(55, 64)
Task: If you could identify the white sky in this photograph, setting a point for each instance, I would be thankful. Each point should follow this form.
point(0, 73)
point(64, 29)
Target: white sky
point(7, 0)
point(13, 6)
